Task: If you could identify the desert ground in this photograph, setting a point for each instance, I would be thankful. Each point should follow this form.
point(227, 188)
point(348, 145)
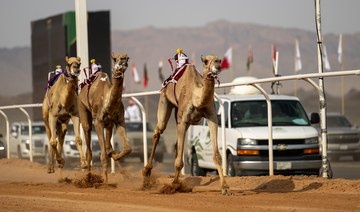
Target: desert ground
point(26, 186)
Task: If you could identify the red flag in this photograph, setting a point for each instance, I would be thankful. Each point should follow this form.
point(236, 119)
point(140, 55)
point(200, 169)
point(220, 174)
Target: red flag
point(145, 82)
point(273, 53)
point(250, 58)
point(226, 62)
point(135, 74)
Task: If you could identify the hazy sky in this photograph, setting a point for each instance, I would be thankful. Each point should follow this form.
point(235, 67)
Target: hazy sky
point(338, 16)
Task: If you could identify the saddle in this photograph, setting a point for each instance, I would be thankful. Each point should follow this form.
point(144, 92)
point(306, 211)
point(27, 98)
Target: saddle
point(175, 76)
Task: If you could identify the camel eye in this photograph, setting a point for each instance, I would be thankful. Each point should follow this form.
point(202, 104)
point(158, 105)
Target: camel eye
point(206, 61)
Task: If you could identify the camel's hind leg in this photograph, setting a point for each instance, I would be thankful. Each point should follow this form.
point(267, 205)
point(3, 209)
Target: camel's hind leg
point(163, 115)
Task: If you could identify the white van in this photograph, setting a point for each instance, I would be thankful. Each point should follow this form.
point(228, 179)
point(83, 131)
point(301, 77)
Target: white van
point(296, 146)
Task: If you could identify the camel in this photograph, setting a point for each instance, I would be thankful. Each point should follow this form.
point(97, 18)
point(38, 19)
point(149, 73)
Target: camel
point(101, 103)
point(59, 106)
point(192, 98)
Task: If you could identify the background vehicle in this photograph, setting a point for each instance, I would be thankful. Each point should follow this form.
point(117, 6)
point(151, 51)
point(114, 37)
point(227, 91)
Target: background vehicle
point(343, 137)
point(3, 151)
point(70, 150)
point(134, 131)
point(295, 142)
point(20, 142)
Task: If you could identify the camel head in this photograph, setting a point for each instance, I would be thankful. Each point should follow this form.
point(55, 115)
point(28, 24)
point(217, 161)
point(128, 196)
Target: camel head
point(120, 65)
point(73, 66)
point(212, 66)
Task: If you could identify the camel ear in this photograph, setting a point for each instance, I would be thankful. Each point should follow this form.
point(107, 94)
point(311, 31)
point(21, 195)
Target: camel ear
point(112, 55)
point(204, 60)
point(66, 59)
point(79, 59)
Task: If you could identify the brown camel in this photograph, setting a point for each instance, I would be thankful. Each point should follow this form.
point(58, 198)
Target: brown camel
point(59, 106)
point(101, 103)
point(192, 98)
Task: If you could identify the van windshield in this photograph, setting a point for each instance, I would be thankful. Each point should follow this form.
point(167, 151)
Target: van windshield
point(254, 113)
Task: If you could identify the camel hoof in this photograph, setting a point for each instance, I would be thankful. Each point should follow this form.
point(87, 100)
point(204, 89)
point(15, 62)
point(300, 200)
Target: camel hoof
point(226, 191)
point(50, 170)
point(61, 163)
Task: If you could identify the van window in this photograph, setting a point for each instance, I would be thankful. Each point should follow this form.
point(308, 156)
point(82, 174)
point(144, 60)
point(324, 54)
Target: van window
point(254, 113)
point(35, 130)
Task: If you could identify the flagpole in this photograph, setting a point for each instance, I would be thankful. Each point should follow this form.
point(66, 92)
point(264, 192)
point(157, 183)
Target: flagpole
point(295, 61)
point(342, 77)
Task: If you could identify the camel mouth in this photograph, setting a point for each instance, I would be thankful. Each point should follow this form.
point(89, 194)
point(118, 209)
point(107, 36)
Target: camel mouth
point(75, 73)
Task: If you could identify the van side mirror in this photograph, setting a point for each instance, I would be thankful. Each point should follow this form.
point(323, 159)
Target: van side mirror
point(314, 118)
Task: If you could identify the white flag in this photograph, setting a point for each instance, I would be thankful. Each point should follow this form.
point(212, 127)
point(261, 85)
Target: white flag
point(135, 74)
point(298, 65)
point(326, 59)
point(340, 49)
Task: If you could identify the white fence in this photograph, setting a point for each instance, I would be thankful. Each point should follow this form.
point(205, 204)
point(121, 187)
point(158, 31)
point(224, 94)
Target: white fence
point(306, 77)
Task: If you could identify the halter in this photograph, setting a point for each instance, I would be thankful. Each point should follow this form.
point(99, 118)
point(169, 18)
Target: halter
point(115, 73)
point(211, 76)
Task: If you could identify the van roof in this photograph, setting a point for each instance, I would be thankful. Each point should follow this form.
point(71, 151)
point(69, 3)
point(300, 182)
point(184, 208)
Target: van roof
point(256, 97)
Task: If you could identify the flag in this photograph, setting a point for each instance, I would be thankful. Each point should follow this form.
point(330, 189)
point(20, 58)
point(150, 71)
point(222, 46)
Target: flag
point(298, 65)
point(250, 58)
point(146, 79)
point(326, 59)
point(226, 62)
point(161, 76)
point(273, 55)
point(340, 50)
point(135, 74)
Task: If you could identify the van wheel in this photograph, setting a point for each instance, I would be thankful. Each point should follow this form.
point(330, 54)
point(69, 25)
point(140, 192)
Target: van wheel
point(230, 165)
point(19, 153)
point(195, 169)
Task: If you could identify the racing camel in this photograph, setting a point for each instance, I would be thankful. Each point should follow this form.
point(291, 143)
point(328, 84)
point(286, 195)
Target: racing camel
point(192, 97)
point(101, 102)
point(59, 106)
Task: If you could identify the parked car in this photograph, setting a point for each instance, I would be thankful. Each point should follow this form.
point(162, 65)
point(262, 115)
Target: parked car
point(20, 142)
point(70, 150)
point(3, 153)
point(343, 137)
point(134, 131)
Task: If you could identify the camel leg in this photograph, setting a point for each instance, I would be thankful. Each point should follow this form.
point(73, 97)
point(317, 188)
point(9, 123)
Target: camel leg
point(53, 143)
point(76, 124)
point(212, 122)
point(61, 129)
point(104, 157)
point(179, 163)
point(86, 123)
point(163, 115)
point(51, 153)
point(120, 129)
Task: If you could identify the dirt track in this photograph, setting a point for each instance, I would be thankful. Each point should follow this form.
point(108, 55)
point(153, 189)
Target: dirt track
point(25, 186)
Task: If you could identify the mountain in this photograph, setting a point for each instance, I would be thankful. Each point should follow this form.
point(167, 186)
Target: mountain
point(149, 45)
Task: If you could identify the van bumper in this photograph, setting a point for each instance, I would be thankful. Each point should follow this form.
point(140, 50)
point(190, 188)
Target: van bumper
point(278, 165)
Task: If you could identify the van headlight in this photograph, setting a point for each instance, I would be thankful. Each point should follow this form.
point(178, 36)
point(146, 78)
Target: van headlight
point(247, 141)
point(313, 140)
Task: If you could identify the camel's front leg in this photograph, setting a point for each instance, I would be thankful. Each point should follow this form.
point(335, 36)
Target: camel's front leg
point(120, 129)
point(179, 163)
point(212, 122)
point(99, 127)
point(61, 129)
point(163, 115)
point(51, 152)
point(78, 141)
point(53, 143)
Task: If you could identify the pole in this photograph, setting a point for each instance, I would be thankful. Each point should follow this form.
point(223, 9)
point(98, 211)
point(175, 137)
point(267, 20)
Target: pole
point(82, 35)
point(325, 169)
point(341, 61)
